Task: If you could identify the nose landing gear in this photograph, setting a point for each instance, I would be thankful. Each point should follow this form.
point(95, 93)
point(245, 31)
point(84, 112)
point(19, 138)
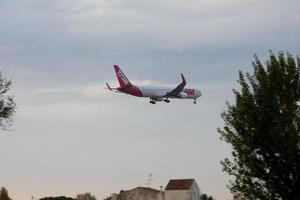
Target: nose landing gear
point(167, 100)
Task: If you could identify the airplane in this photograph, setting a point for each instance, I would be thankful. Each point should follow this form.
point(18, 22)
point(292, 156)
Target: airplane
point(155, 94)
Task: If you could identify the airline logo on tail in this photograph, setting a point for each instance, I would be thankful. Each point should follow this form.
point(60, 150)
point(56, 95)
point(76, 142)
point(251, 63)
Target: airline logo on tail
point(123, 81)
point(122, 76)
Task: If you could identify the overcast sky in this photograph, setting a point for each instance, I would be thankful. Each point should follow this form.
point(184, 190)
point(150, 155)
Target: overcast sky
point(71, 136)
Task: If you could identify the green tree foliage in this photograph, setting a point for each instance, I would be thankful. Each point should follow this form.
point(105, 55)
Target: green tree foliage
point(4, 194)
point(206, 197)
point(86, 196)
point(263, 129)
point(57, 198)
point(123, 195)
point(7, 104)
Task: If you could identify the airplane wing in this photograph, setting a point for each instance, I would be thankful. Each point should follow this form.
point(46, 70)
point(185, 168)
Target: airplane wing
point(176, 91)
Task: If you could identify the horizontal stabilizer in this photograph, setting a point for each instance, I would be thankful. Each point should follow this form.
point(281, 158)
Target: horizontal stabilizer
point(108, 87)
point(111, 89)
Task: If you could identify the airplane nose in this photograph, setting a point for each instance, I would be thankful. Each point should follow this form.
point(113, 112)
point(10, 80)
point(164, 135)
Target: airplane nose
point(198, 92)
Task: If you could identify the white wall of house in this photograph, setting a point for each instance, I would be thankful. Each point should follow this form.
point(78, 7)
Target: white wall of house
point(195, 192)
point(177, 195)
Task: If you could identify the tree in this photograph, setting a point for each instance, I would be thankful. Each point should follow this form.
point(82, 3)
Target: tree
point(123, 195)
point(7, 104)
point(263, 129)
point(57, 198)
point(206, 197)
point(86, 196)
point(4, 194)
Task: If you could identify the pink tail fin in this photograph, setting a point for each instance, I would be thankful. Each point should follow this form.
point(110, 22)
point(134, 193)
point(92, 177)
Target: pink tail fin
point(123, 80)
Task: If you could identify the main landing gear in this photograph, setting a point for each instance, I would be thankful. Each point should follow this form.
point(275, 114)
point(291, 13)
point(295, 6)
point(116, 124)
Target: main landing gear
point(152, 102)
point(195, 101)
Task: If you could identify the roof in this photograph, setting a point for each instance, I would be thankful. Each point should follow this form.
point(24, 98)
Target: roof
point(146, 189)
point(180, 184)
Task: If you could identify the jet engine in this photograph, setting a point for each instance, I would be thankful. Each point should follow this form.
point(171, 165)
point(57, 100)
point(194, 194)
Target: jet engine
point(157, 99)
point(183, 95)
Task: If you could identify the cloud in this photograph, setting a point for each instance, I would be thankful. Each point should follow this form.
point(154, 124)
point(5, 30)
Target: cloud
point(71, 35)
point(194, 24)
point(59, 54)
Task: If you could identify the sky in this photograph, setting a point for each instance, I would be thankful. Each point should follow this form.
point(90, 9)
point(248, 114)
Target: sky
point(70, 135)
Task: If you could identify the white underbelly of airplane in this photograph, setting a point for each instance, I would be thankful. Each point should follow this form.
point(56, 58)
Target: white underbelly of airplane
point(154, 92)
point(160, 93)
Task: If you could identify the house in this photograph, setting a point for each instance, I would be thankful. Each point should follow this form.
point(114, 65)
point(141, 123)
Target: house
point(182, 189)
point(144, 193)
point(176, 189)
point(139, 193)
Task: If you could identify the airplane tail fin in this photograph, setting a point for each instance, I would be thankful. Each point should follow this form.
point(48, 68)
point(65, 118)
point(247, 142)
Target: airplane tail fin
point(123, 80)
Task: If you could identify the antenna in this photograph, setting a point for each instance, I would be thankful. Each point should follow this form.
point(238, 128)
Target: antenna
point(149, 180)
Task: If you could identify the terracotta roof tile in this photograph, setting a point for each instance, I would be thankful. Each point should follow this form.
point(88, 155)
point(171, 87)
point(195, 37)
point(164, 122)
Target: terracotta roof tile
point(180, 184)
